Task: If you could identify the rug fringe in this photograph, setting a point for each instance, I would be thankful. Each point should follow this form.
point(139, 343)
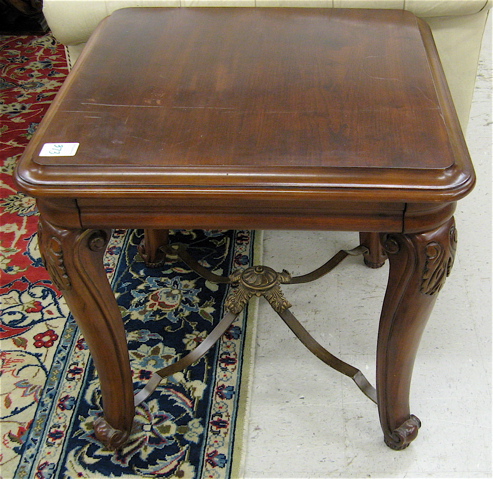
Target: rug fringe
point(242, 424)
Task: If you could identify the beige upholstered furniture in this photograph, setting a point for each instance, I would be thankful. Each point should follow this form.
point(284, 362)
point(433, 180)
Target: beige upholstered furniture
point(457, 26)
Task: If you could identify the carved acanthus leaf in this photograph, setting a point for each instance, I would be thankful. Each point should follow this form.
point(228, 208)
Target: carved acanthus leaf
point(276, 299)
point(258, 281)
point(438, 264)
point(238, 299)
point(52, 256)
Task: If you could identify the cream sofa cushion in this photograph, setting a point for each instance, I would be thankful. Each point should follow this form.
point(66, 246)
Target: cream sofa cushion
point(73, 21)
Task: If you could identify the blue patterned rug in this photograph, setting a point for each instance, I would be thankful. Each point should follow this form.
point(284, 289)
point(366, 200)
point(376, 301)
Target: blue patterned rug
point(191, 427)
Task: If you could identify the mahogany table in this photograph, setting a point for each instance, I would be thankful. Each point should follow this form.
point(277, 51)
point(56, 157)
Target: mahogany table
point(312, 119)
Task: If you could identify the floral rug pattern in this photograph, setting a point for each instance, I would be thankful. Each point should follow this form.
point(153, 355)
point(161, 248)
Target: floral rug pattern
point(49, 387)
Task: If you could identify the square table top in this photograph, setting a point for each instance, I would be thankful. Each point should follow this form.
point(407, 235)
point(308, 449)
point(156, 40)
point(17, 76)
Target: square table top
point(168, 99)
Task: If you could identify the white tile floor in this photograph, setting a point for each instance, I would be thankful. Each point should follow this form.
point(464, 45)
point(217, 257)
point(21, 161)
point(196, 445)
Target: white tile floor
point(307, 421)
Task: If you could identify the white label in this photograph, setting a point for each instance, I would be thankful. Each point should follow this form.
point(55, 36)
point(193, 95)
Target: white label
point(59, 149)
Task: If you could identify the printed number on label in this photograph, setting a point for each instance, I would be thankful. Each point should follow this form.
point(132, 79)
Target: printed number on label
point(59, 149)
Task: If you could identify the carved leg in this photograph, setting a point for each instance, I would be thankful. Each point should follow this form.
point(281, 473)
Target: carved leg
point(74, 259)
point(149, 247)
point(419, 264)
point(376, 256)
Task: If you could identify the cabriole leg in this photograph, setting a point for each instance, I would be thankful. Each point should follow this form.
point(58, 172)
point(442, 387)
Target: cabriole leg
point(74, 259)
point(419, 265)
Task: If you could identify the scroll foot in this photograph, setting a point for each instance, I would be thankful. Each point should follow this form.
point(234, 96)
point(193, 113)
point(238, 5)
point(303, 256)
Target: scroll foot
point(112, 438)
point(376, 256)
point(149, 247)
point(404, 434)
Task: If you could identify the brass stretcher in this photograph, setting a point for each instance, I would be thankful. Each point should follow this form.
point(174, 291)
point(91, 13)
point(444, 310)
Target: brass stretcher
point(258, 281)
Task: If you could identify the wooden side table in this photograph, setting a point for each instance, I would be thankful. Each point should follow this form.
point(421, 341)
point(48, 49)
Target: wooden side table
point(252, 118)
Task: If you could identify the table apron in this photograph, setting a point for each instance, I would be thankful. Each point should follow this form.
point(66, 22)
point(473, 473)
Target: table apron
point(251, 214)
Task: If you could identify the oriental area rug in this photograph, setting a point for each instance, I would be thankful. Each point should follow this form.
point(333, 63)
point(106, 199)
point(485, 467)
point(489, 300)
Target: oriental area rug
point(192, 426)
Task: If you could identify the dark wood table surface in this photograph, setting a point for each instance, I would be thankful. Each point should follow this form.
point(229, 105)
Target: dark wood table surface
point(319, 119)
